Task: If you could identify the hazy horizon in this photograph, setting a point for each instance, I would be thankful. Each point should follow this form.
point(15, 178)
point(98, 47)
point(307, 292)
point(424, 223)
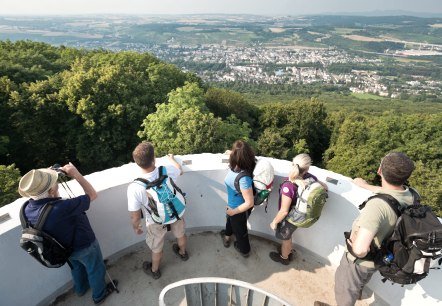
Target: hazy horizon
point(253, 7)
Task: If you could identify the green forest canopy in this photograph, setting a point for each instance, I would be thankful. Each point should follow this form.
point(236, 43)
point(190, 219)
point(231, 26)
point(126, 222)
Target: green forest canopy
point(61, 104)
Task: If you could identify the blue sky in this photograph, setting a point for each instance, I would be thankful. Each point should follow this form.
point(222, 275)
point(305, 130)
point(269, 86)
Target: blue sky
point(263, 7)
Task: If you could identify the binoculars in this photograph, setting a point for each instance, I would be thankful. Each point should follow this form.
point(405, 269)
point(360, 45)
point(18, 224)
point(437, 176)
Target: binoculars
point(57, 168)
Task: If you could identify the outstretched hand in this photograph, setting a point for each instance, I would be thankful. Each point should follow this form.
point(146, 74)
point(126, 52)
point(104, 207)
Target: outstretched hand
point(360, 182)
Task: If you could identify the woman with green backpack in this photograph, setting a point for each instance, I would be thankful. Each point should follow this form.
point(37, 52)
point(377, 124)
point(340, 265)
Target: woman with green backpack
point(298, 178)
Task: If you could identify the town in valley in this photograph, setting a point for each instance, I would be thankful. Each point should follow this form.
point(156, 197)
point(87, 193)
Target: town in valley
point(389, 56)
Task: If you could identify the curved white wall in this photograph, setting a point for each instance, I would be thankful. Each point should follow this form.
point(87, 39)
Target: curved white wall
point(24, 282)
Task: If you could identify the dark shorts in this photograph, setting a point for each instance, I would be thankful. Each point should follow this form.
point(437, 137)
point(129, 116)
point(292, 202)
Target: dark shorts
point(284, 230)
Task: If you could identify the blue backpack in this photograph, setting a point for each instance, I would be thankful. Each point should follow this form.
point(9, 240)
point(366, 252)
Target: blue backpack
point(166, 202)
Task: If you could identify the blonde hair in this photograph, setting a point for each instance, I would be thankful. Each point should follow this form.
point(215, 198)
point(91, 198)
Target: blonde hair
point(301, 164)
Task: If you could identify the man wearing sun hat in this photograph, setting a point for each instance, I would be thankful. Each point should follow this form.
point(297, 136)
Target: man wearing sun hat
point(68, 223)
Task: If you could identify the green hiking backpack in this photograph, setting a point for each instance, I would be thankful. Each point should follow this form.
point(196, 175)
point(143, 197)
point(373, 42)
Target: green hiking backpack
point(311, 199)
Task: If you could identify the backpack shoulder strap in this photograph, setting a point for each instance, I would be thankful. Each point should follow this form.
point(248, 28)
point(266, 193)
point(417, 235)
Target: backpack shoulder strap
point(416, 196)
point(142, 180)
point(162, 170)
point(389, 199)
point(43, 215)
point(23, 218)
point(238, 177)
point(162, 175)
point(374, 250)
point(148, 184)
point(41, 218)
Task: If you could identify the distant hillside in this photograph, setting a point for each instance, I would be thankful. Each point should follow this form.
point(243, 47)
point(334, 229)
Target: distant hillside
point(380, 13)
point(91, 107)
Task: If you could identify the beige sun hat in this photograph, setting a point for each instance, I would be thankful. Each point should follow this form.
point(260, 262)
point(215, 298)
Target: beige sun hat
point(36, 182)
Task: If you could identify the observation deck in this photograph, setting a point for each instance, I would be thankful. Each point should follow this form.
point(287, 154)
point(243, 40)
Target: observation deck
point(309, 278)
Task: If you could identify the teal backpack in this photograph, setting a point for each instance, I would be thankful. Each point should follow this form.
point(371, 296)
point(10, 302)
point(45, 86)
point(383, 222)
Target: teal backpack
point(166, 202)
point(311, 199)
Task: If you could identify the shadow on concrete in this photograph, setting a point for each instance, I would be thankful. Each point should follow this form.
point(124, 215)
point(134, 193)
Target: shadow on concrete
point(302, 282)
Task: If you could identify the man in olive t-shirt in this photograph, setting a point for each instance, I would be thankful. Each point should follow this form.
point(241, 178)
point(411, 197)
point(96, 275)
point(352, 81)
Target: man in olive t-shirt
point(375, 222)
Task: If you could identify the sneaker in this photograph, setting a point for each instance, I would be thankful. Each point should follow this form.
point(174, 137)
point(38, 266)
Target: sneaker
point(110, 287)
point(147, 268)
point(277, 257)
point(292, 254)
point(226, 243)
point(235, 244)
point(176, 250)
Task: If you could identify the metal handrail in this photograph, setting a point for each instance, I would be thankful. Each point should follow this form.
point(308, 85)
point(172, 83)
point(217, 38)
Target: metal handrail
point(219, 280)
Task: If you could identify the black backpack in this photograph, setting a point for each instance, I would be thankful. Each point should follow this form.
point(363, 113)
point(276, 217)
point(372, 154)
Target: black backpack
point(405, 256)
point(39, 244)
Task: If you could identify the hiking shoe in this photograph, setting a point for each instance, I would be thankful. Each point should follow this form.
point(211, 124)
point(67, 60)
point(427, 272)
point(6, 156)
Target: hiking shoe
point(245, 255)
point(176, 250)
point(226, 243)
point(107, 291)
point(292, 254)
point(147, 268)
point(277, 257)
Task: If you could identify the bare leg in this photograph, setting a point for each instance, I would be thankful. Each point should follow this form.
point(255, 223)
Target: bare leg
point(182, 243)
point(286, 248)
point(156, 260)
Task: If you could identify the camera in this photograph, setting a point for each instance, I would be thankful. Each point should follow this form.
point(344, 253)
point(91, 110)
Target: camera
point(57, 168)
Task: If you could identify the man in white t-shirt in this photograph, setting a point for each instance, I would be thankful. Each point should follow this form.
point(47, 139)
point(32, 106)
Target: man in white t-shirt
point(144, 157)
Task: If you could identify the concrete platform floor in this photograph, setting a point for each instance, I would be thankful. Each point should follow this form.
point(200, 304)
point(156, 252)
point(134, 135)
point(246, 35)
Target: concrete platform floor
point(303, 282)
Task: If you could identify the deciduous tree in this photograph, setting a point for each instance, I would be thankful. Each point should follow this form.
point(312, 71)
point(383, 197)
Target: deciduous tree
point(184, 125)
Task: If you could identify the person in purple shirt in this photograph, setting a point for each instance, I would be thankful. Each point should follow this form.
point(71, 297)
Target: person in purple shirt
point(239, 204)
point(287, 200)
point(68, 223)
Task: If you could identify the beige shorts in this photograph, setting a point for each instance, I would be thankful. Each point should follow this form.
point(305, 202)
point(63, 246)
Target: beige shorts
point(156, 232)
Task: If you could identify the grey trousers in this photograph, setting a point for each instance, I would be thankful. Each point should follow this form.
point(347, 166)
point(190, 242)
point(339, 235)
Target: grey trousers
point(350, 279)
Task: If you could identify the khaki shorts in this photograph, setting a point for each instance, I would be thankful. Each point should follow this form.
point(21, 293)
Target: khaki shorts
point(350, 279)
point(156, 232)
